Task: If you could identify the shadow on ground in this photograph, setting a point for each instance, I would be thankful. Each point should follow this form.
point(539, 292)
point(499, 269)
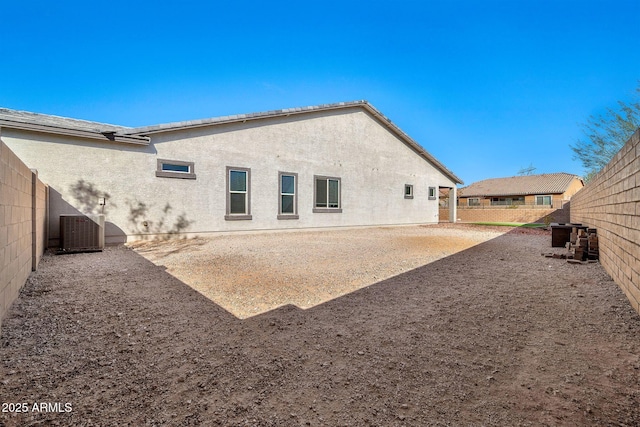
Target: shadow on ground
point(494, 335)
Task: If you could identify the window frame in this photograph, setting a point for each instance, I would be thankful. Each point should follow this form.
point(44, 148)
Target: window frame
point(293, 215)
point(161, 173)
point(410, 188)
point(543, 196)
point(477, 201)
point(238, 216)
point(508, 201)
point(326, 209)
point(432, 190)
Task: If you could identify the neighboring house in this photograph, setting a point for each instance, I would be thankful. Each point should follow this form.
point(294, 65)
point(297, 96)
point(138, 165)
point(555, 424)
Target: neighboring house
point(332, 165)
point(551, 190)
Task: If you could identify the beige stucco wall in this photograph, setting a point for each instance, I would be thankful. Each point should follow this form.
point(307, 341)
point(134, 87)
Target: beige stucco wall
point(22, 208)
point(610, 202)
point(373, 164)
point(575, 186)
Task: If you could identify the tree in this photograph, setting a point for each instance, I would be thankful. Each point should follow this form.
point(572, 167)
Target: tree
point(605, 134)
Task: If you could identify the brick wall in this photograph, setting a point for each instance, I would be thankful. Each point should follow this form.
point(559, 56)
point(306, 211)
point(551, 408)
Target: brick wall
point(611, 204)
point(519, 214)
point(22, 225)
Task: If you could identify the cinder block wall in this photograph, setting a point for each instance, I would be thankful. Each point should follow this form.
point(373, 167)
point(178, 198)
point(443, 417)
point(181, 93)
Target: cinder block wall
point(39, 210)
point(22, 215)
point(509, 215)
point(611, 203)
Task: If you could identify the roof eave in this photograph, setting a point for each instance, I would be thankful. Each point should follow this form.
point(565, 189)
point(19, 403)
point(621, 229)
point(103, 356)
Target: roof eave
point(106, 136)
point(511, 194)
point(413, 144)
point(242, 118)
point(239, 118)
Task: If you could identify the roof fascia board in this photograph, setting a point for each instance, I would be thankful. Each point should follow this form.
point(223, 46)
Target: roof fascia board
point(506, 194)
point(242, 118)
point(411, 143)
point(105, 137)
point(487, 193)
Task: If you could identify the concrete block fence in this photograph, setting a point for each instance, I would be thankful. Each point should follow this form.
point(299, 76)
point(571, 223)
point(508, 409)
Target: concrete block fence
point(23, 216)
point(520, 214)
point(611, 203)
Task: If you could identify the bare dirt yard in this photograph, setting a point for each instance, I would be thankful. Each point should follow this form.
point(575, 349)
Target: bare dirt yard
point(416, 326)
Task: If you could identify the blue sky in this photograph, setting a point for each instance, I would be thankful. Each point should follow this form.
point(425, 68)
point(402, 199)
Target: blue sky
point(487, 86)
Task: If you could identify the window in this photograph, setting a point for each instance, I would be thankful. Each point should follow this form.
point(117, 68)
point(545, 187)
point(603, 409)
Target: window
point(432, 193)
point(175, 169)
point(288, 200)
point(473, 201)
point(238, 193)
point(408, 191)
point(327, 194)
point(172, 167)
point(543, 200)
point(507, 201)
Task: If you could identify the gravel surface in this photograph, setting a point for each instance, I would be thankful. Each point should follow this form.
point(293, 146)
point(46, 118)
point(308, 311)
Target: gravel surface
point(493, 335)
point(249, 274)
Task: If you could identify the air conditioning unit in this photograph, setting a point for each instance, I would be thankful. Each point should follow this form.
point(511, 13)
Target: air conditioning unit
point(81, 233)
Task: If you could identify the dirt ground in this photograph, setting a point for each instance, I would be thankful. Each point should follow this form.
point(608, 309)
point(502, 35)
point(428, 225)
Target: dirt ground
point(493, 335)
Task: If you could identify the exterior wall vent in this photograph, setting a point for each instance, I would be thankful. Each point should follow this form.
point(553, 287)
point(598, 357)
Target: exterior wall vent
point(81, 233)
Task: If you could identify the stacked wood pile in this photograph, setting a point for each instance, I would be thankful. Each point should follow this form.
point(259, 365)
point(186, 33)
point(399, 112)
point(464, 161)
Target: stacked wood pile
point(581, 248)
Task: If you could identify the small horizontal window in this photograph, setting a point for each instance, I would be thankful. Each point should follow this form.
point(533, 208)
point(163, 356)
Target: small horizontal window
point(175, 169)
point(507, 201)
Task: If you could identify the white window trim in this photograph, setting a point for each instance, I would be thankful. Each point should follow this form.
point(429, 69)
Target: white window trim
point(327, 209)
point(410, 195)
point(244, 216)
point(435, 195)
point(543, 195)
point(293, 215)
point(473, 198)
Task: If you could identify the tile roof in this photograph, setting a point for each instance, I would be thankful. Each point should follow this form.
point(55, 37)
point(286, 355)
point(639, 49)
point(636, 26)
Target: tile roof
point(550, 183)
point(36, 122)
point(57, 122)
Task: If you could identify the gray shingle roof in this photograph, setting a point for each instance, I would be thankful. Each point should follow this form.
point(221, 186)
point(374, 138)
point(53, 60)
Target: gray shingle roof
point(550, 183)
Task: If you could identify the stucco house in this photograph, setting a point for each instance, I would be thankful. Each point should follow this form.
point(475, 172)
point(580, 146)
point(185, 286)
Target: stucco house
point(332, 165)
point(552, 190)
